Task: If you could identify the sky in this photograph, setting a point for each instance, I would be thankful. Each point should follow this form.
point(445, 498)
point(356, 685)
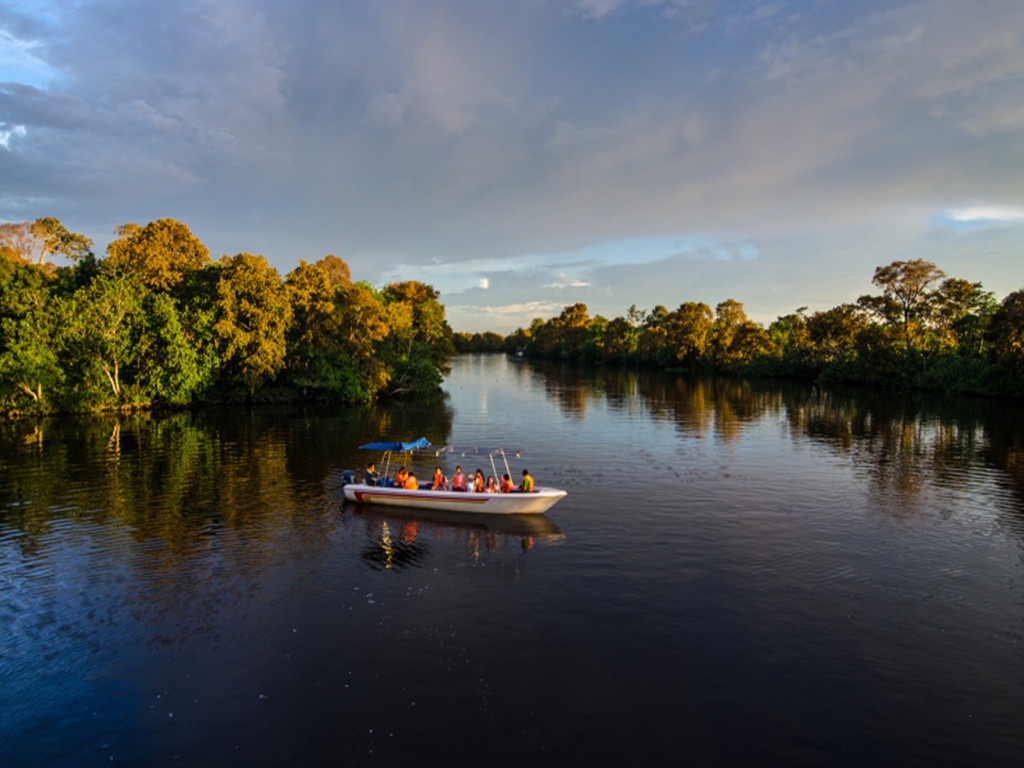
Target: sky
point(524, 155)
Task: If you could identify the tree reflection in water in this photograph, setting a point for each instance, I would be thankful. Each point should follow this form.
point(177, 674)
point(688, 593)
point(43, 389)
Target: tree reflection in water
point(899, 439)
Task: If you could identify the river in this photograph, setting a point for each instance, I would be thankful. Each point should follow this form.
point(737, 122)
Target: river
point(741, 573)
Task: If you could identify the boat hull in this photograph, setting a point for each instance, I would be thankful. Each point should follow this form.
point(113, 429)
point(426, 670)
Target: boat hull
point(455, 501)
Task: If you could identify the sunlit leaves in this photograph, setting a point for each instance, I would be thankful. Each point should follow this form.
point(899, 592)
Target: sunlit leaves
point(160, 254)
point(253, 319)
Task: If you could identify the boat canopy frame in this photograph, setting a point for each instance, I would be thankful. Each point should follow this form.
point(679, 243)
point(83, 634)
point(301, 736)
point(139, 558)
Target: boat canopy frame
point(423, 449)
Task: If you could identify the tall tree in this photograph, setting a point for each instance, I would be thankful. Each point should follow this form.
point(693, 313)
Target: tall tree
point(1006, 338)
point(907, 299)
point(686, 334)
point(31, 243)
point(29, 332)
point(963, 311)
point(253, 315)
point(102, 331)
point(337, 271)
point(161, 253)
point(833, 333)
point(729, 317)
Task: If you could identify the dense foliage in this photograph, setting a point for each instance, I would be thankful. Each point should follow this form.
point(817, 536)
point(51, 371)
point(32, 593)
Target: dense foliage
point(922, 330)
point(157, 324)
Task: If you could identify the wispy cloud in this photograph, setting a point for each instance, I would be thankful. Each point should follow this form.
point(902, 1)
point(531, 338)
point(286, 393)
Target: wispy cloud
point(986, 213)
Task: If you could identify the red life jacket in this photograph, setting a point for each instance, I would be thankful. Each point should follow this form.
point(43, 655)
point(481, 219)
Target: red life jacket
point(438, 481)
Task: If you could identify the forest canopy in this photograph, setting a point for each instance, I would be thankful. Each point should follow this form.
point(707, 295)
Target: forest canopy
point(921, 329)
point(157, 323)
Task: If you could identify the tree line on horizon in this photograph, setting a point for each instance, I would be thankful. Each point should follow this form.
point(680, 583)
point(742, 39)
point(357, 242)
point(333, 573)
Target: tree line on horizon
point(922, 330)
point(156, 323)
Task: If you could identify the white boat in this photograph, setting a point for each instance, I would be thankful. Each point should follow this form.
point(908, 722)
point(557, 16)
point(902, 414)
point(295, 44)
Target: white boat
point(516, 503)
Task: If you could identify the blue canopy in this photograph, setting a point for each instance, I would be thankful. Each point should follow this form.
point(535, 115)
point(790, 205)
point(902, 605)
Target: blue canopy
point(421, 443)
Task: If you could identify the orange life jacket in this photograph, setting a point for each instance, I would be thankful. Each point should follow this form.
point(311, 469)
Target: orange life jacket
point(411, 484)
point(438, 480)
point(506, 486)
point(459, 482)
point(527, 486)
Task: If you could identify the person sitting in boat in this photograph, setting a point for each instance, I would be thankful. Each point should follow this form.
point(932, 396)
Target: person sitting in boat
point(410, 482)
point(458, 479)
point(492, 486)
point(506, 484)
point(370, 476)
point(438, 480)
point(527, 485)
point(400, 477)
point(478, 482)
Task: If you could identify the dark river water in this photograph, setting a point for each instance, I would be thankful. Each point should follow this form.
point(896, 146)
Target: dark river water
point(741, 574)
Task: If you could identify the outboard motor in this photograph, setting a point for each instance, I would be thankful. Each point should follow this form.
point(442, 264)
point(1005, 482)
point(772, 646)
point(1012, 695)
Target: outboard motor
point(348, 477)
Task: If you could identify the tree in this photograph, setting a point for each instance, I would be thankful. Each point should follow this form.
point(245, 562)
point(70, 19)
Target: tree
point(1006, 338)
point(686, 334)
point(336, 270)
point(962, 313)
point(564, 335)
point(729, 317)
point(791, 340)
point(418, 347)
point(168, 368)
point(161, 253)
point(253, 315)
point(29, 331)
point(102, 330)
point(833, 333)
point(30, 243)
point(907, 299)
point(362, 324)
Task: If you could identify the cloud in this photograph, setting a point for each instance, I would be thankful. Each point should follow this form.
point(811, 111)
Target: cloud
point(555, 150)
point(484, 283)
point(564, 281)
point(19, 62)
point(986, 213)
point(7, 131)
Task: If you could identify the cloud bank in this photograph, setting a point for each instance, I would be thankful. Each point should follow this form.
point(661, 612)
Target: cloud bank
point(538, 153)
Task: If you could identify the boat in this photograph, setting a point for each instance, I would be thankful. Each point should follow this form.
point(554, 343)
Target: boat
point(425, 497)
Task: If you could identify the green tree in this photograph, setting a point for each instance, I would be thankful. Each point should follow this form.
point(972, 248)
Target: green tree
point(908, 299)
point(362, 324)
point(167, 368)
point(563, 336)
point(253, 315)
point(833, 333)
point(1006, 339)
point(102, 330)
point(686, 335)
point(729, 317)
point(29, 332)
point(418, 347)
point(963, 312)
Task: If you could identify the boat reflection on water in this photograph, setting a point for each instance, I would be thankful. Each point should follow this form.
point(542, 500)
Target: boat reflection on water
point(402, 538)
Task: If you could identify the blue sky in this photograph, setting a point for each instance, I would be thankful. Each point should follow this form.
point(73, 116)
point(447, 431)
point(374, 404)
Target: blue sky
point(523, 155)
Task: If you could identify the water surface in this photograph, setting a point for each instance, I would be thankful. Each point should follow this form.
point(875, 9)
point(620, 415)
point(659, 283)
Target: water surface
point(742, 574)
